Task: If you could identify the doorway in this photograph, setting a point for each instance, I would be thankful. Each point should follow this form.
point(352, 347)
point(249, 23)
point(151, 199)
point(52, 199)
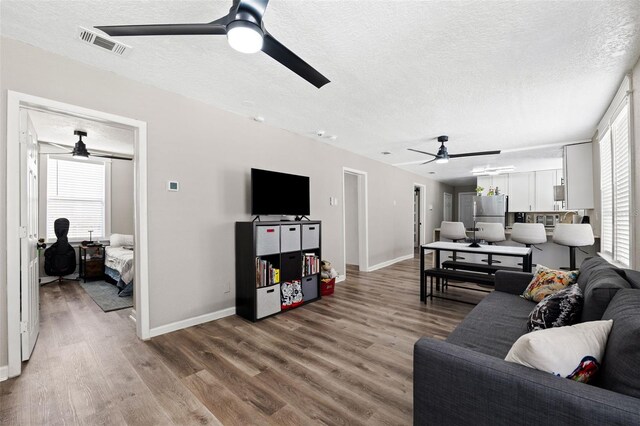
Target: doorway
point(419, 216)
point(355, 220)
point(465, 208)
point(22, 304)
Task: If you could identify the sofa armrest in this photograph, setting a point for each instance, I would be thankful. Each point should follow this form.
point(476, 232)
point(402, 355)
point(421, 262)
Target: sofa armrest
point(455, 385)
point(512, 282)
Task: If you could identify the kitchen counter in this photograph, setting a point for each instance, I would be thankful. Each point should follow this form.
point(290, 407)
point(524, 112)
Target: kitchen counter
point(507, 232)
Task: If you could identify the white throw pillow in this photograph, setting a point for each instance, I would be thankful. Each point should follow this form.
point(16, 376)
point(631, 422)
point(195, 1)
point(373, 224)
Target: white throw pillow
point(574, 351)
point(119, 240)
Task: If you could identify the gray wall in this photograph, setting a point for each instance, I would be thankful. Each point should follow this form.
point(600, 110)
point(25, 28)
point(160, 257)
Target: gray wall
point(188, 229)
point(351, 218)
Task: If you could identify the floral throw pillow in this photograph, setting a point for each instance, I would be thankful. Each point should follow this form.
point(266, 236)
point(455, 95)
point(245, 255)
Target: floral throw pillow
point(557, 310)
point(548, 281)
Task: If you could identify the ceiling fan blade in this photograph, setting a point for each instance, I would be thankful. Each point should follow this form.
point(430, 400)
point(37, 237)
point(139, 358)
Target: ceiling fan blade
point(56, 153)
point(422, 152)
point(163, 29)
point(473, 154)
point(255, 7)
point(113, 157)
point(427, 162)
point(280, 53)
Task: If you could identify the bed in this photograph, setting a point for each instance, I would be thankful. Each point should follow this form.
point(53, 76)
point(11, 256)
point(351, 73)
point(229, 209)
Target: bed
point(119, 263)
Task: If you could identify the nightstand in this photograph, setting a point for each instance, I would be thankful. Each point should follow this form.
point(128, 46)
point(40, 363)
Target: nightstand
point(91, 262)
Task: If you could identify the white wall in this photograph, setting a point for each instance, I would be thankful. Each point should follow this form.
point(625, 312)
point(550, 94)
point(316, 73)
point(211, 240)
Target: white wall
point(210, 151)
point(122, 212)
point(351, 218)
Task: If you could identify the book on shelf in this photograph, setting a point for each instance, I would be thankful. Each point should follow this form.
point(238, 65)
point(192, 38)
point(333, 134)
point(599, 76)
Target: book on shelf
point(266, 274)
point(310, 264)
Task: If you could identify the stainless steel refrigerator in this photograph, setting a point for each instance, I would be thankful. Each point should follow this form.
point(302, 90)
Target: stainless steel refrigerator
point(492, 209)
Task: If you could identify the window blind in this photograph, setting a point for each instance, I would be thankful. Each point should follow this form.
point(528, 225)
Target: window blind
point(606, 190)
point(622, 186)
point(76, 191)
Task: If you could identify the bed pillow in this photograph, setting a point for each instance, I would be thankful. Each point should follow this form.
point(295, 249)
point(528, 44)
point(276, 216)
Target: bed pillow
point(548, 281)
point(557, 310)
point(574, 352)
point(119, 240)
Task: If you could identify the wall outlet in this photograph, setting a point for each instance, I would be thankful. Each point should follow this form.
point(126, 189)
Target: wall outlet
point(227, 288)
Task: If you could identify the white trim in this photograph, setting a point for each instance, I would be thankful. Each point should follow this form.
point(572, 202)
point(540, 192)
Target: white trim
point(190, 322)
point(363, 220)
point(15, 101)
point(390, 262)
point(4, 373)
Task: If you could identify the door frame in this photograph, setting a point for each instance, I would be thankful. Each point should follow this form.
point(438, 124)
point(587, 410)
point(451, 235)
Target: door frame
point(363, 220)
point(444, 205)
point(423, 212)
point(16, 101)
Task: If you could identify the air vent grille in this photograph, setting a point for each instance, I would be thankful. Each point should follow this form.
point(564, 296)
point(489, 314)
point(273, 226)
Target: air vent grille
point(94, 39)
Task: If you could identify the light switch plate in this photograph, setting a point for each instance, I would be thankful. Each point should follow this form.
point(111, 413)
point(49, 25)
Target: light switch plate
point(173, 185)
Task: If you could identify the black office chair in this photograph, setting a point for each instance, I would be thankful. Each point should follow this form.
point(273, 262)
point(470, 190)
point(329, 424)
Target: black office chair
point(60, 258)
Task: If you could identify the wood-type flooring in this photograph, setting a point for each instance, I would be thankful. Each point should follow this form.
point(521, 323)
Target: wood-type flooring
point(344, 360)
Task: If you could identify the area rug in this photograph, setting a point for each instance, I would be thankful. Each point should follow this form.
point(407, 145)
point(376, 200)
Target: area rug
point(106, 295)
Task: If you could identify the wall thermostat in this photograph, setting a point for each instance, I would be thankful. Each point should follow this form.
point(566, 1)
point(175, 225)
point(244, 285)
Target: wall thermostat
point(173, 185)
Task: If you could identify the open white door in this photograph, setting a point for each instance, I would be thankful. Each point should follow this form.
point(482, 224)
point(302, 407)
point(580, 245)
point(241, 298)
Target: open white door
point(29, 260)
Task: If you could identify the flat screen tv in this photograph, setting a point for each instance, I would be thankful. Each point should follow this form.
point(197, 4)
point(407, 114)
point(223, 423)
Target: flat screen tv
point(274, 193)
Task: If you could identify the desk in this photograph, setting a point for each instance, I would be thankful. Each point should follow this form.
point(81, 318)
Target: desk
point(523, 252)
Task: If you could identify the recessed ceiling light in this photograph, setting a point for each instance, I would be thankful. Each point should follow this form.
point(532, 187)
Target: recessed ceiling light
point(333, 137)
point(385, 153)
point(431, 173)
point(258, 118)
point(320, 133)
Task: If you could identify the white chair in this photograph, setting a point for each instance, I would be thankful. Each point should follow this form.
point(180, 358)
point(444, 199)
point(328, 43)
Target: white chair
point(492, 233)
point(454, 231)
point(529, 234)
point(573, 235)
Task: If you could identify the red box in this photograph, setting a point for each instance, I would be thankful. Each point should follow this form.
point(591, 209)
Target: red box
point(327, 286)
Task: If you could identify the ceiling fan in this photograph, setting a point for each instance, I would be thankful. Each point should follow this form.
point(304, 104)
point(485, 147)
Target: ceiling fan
point(80, 149)
point(443, 155)
point(245, 32)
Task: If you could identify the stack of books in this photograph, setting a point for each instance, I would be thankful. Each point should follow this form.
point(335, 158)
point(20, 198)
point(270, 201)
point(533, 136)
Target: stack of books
point(266, 274)
point(310, 264)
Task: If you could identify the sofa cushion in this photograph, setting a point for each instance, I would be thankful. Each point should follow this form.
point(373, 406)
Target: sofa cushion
point(589, 266)
point(494, 324)
point(632, 277)
point(557, 310)
point(574, 352)
point(547, 281)
point(602, 285)
point(620, 370)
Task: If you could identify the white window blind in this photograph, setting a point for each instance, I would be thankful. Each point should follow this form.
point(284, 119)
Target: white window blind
point(622, 187)
point(76, 190)
point(606, 190)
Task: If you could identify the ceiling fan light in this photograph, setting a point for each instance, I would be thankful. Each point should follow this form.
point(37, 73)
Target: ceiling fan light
point(244, 36)
point(442, 160)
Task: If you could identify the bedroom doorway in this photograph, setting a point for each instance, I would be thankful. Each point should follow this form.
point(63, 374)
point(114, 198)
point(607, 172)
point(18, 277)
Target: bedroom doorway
point(87, 192)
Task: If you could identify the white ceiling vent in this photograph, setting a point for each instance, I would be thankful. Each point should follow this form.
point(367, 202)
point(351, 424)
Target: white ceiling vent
point(93, 38)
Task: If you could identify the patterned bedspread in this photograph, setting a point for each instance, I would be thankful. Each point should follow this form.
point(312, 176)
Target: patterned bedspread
point(120, 259)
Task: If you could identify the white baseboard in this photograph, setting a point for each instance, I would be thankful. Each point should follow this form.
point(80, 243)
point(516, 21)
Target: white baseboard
point(4, 373)
point(389, 262)
point(132, 315)
point(341, 278)
point(190, 322)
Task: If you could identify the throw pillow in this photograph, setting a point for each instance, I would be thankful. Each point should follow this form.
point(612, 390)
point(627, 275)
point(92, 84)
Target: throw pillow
point(574, 352)
point(620, 372)
point(547, 281)
point(557, 310)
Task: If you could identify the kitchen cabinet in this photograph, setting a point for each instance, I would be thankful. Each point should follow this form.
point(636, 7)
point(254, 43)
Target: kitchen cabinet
point(522, 194)
point(578, 176)
point(544, 183)
point(499, 181)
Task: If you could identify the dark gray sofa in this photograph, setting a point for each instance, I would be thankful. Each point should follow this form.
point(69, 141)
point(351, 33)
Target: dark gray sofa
point(465, 380)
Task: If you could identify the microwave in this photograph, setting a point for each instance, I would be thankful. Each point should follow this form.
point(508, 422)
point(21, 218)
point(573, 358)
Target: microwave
point(549, 220)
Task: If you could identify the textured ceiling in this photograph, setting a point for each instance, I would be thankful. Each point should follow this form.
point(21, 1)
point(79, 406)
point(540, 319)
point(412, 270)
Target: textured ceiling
point(57, 128)
point(491, 75)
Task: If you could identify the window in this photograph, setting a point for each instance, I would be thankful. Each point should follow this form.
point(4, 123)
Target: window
point(77, 190)
point(615, 180)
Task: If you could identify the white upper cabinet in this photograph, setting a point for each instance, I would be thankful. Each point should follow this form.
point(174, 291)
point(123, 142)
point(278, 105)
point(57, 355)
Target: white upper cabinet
point(522, 192)
point(578, 176)
point(545, 181)
point(499, 181)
